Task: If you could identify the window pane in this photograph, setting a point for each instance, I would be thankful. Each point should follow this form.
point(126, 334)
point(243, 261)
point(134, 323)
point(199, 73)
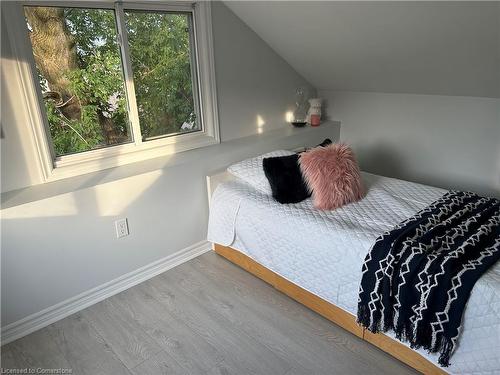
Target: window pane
point(160, 51)
point(80, 74)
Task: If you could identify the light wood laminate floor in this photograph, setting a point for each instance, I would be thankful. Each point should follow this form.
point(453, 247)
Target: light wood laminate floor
point(206, 316)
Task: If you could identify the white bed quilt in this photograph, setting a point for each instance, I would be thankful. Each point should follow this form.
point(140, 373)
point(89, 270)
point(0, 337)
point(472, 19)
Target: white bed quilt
point(323, 251)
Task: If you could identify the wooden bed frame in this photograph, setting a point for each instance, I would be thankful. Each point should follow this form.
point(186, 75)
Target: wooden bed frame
point(329, 311)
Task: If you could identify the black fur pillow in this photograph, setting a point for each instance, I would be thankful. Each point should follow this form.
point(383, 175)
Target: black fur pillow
point(285, 178)
point(325, 143)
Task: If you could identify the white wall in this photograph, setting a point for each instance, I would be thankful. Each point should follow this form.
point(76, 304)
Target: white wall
point(248, 84)
point(63, 243)
point(447, 141)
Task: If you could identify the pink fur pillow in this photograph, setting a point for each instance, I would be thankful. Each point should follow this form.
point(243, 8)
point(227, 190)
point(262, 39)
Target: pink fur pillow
point(332, 174)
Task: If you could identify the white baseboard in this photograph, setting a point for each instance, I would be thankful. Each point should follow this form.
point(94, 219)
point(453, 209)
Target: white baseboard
point(72, 305)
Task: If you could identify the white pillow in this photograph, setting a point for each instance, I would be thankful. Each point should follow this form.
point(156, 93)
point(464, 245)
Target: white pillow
point(251, 171)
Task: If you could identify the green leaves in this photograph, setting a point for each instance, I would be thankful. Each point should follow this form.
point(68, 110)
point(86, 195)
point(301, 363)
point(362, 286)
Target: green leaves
point(160, 53)
point(97, 84)
point(74, 136)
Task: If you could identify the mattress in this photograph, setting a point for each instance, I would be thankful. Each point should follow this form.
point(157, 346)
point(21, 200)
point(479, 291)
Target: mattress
point(323, 251)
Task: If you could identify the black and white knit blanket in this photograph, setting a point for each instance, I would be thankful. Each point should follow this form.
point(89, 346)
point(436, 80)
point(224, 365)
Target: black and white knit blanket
point(417, 277)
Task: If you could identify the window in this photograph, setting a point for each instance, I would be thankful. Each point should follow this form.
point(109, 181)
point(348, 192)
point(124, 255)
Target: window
point(79, 71)
point(160, 47)
point(117, 83)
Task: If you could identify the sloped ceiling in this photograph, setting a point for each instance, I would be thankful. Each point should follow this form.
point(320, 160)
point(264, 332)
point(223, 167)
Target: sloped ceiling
point(447, 48)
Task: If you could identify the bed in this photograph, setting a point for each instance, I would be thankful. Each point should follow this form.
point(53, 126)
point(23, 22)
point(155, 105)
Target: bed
point(316, 257)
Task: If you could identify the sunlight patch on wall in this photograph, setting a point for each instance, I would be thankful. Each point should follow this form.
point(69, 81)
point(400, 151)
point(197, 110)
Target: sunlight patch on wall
point(16, 139)
point(113, 199)
point(62, 205)
point(260, 124)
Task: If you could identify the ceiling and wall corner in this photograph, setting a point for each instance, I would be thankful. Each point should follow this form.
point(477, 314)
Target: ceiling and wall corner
point(416, 47)
point(255, 85)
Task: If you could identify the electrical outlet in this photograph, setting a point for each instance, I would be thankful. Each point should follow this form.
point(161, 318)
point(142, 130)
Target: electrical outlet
point(121, 227)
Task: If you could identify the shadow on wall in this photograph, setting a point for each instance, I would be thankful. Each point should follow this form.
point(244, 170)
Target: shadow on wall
point(72, 236)
point(327, 108)
point(381, 159)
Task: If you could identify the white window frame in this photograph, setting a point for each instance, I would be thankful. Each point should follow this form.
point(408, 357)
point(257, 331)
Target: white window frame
point(57, 167)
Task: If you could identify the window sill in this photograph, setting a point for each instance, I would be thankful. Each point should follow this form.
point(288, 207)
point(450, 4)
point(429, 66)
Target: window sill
point(211, 159)
point(121, 155)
